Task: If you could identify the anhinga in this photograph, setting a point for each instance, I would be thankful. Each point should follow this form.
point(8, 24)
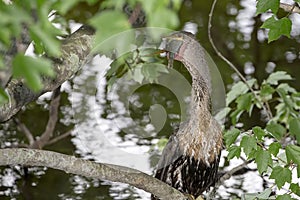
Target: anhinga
point(190, 160)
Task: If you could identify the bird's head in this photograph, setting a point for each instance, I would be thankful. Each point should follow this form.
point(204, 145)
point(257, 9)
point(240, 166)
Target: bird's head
point(174, 45)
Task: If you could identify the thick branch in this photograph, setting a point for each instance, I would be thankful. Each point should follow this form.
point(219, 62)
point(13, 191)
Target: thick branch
point(17, 45)
point(75, 53)
point(70, 164)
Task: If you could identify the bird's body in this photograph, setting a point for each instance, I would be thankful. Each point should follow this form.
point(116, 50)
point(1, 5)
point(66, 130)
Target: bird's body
point(190, 159)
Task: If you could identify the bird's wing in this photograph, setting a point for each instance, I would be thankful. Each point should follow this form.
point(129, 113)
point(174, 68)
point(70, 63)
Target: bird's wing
point(170, 154)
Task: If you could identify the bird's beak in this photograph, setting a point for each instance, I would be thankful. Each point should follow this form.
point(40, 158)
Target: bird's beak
point(172, 46)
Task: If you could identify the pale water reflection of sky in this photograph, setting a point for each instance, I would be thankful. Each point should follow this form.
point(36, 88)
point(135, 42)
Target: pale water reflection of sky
point(96, 137)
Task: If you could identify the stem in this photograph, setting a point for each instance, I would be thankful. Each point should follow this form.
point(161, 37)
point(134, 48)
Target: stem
point(269, 113)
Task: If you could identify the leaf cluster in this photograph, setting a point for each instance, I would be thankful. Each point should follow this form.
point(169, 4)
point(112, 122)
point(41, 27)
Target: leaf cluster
point(46, 22)
point(274, 148)
point(275, 25)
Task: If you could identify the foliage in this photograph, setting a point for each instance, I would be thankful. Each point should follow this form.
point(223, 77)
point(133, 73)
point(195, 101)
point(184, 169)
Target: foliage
point(274, 147)
point(46, 20)
point(276, 26)
point(269, 146)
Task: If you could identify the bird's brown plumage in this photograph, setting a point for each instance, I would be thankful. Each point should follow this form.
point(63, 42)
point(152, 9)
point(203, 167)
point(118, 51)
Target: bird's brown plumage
point(191, 157)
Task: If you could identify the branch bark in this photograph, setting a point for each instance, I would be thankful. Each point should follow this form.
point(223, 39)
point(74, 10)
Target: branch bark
point(70, 164)
point(75, 53)
point(53, 117)
point(290, 8)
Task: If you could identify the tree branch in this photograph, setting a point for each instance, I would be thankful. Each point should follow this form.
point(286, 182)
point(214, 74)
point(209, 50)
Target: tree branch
point(58, 138)
point(75, 53)
point(231, 172)
point(70, 164)
point(53, 116)
point(23, 128)
point(17, 45)
point(290, 8)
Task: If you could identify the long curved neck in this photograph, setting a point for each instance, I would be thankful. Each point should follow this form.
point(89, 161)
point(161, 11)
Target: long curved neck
point(200, 106)
point(193, 57)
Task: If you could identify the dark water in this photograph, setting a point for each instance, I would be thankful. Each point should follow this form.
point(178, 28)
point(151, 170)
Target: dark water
point(103, 130)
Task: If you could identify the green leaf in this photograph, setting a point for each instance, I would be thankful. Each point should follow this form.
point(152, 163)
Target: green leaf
point(248, 143)
point(235, 116)
point(281, 176)
point(117, 66)
point(151, 71)
point(278, 76)
point(274, 148)
point(234, 151)
point(12, 18)
point(294, 126)
point(262, 159)
point(137, 74)
point(284, 197)
point(238, 89)
point(5, 36)
point(110, 82)
point(109, 23)
point(113, 4)
point(31, 70)
point(162, 143)
point(285, 109)
point(45, 41)
point(265, 194)
point(3, 97)
point(264, 5)
point(298, 171)
point(244, 102)
point(266, 92)
point(221, 115)
point(277, 28)
point(262, 195)
point(276, 130)
point(230, 136)
point(296, 99)
point(293, 153)
point(295, 188)
point(164, 17)
point(286, 87)
point(258, 132)
point(64, 6)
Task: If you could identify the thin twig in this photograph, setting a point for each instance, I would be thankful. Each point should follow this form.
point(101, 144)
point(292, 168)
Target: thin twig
point(228, 174)
point(23, 128)
point(269, 113)
point(290, 8)
point(60, 137)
